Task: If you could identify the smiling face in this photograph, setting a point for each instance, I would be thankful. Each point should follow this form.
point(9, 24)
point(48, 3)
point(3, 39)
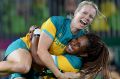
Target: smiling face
point(83, 17)
point(77, 46)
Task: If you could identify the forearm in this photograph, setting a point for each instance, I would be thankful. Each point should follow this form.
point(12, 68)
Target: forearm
point(43, 46)
point(36, 60)
point(34, 46)
point(49, 63)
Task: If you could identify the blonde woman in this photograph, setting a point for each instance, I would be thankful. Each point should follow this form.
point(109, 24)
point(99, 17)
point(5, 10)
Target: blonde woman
point(57, 31)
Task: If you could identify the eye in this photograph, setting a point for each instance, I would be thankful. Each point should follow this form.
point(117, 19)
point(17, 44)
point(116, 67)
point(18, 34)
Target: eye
point(77, 45)
point(84, 12)
point(91, 17)
point(74, 40)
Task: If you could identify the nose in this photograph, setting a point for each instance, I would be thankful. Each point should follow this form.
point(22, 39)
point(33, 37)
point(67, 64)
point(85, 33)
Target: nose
point(74, 43)
point(87, 18)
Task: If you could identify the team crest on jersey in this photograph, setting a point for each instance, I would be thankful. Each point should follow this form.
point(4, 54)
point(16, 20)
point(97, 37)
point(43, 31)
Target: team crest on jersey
point(57, 42)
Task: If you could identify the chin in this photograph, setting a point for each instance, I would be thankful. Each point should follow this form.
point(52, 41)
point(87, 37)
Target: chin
point(66, 50)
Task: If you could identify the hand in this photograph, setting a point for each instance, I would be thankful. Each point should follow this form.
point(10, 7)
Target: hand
point(31, 30)
point(70, 75)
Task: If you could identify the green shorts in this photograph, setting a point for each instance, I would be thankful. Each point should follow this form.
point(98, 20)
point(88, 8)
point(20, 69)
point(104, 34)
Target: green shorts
point(14, 46)
point(19, 43)
point(30, 75)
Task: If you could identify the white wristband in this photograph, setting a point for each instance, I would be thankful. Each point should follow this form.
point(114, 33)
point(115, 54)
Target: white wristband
point(36, 31)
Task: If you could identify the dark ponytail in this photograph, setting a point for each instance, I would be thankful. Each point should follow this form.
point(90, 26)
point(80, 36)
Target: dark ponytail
point(97, 59)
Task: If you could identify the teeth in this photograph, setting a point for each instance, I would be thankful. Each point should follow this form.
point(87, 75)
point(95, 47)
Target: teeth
point(83, 22)
point(70, 48)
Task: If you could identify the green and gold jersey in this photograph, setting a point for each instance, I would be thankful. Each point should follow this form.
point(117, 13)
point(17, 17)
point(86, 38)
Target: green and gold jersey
point(68, 63)
point(58, 28)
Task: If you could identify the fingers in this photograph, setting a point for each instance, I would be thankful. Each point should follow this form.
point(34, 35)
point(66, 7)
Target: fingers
point(72, 75)
point(32, 28)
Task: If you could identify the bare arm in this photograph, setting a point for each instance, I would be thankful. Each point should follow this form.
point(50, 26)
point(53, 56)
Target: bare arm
point(34, 32)
point(36, 60)
point(37, 63)
point(33, 48)
point(43, 46)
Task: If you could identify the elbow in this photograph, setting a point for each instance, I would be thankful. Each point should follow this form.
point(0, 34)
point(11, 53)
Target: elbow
point(40, 52)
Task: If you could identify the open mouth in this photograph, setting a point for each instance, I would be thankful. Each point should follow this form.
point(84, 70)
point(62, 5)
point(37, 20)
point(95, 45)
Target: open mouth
point(83, 22)
point(70, 48)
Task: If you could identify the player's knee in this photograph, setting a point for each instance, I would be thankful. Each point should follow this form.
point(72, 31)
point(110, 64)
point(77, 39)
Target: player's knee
point(26, 69)
point(21, 68)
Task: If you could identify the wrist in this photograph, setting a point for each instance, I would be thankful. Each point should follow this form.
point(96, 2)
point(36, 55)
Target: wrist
point(59, 75)
point(36, 35)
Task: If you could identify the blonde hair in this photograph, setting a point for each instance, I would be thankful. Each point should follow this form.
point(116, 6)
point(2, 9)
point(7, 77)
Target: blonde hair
point(87, 3)
point(99, 15)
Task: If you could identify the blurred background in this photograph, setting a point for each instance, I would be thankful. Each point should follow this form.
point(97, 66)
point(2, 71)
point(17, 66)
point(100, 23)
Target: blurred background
point(16, 16)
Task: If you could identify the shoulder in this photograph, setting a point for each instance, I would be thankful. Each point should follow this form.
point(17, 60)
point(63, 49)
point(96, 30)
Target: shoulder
point(79, 34)
point(54, 18)
point(57, 19)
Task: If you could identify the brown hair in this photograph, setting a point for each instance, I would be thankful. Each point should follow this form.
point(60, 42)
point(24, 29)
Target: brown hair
point(97, 59)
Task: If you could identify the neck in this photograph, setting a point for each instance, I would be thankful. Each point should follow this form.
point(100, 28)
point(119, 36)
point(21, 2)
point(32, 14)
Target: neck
point(74, 30)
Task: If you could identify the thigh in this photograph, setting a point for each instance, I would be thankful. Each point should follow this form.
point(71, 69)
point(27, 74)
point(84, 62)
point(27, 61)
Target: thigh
point(19, 78)
point(30, 75)
point(21, 56)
